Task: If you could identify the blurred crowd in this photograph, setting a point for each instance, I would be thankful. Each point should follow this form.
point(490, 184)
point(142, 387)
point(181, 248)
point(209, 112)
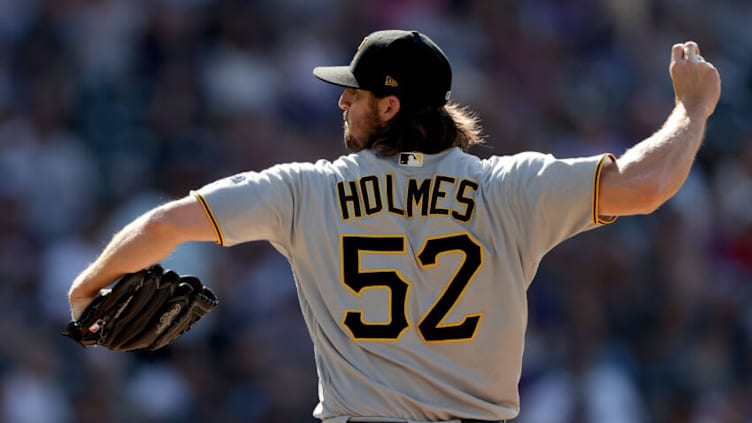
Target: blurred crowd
point(110, 107)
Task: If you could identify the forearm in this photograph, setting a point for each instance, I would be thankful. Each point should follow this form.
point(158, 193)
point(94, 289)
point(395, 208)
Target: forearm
point(664, 159)
point(141, 243)
point(654, 170)
point(145, 241)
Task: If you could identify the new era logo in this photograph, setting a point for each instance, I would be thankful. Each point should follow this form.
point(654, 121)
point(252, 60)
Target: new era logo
point(390, 82)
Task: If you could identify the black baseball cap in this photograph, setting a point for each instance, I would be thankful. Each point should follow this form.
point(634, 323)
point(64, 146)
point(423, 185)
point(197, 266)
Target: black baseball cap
point(407, 64)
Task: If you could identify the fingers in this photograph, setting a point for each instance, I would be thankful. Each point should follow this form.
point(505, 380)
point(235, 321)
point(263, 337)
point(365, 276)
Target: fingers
point(686, 51)
point(692, 52)
point(696, 82)
point(677, 52)
point(691, 49)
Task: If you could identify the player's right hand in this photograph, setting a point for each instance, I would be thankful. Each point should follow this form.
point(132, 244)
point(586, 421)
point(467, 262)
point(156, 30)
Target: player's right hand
point(697, 84)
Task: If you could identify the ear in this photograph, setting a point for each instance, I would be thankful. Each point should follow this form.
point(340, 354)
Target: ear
point(388, 106)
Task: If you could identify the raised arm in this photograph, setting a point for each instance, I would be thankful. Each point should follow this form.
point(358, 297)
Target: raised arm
point(652, 171)
point(143, 242)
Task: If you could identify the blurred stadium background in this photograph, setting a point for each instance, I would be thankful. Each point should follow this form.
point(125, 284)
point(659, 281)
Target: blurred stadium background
point(109, 107)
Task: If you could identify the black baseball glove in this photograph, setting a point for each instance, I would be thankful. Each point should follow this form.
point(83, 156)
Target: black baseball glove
point(144, 310)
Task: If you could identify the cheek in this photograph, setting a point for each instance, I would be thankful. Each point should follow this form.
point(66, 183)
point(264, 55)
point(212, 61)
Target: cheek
point(355, 120)
point(362, 121)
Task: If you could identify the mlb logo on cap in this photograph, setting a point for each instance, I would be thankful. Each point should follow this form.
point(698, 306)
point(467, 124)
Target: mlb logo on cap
point(411, 159)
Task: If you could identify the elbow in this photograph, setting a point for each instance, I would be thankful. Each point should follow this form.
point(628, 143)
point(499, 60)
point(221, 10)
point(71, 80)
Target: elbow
point(635, 198)
point(650, 204)
point(159, 223)
point(627, 190)
point(178, 222)
point(650, 195)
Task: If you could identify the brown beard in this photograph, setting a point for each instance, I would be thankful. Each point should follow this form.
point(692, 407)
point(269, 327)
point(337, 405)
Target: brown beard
point(372, 127)
point(351, 143)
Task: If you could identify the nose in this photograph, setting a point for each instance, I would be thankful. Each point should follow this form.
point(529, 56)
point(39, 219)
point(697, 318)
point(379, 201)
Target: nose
point(344, 99)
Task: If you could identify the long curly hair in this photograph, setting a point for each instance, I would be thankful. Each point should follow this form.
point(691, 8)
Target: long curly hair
point(428, 130)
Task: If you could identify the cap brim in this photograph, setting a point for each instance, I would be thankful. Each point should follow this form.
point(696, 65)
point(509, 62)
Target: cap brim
point(337, 75)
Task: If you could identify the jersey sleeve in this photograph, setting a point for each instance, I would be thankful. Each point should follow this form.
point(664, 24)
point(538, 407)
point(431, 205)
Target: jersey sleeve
point(251, 206)
point(551, 199)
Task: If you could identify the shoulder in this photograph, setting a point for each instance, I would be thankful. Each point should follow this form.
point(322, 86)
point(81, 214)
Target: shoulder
point(532, 164)
point(502, 166)
point(321, 169)
point(308, 169)
point(518, 159)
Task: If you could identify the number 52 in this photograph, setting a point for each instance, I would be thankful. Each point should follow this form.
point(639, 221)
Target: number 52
point(430, 326)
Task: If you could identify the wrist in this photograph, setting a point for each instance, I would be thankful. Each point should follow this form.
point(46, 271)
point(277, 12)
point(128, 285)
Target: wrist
point(78, 293)
point(696, 113)
point(82, 287)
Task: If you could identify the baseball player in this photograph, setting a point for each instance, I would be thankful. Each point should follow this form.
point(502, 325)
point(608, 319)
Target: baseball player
point(412, 257)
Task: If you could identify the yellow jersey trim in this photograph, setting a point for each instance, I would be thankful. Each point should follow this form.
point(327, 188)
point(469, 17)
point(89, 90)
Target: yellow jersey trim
point(597, 218)
point(212, 219)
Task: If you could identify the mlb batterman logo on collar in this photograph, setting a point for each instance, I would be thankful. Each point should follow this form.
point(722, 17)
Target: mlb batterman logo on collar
point(407, 64)
point(411, 159)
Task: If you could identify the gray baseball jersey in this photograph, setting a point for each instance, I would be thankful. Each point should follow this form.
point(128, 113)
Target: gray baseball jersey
point(412, 270)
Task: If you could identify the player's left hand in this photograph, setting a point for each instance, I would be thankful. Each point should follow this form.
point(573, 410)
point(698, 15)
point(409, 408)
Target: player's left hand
point(78, 305)
point(147, 309)
point(697, 84)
